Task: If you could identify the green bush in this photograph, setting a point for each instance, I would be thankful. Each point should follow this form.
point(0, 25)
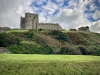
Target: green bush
point(59, 35)
point(83, 50)
point(29, 34)
point(69, 50)
point(8, 39)
point(98, 51)
point(46, 31)
point(45, 50)
point(95, 49)
point(40, 29)
point(29, 49)
point(40, 40)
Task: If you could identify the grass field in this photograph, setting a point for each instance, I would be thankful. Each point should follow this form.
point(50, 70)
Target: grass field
point(34, 64)
point(9, 31)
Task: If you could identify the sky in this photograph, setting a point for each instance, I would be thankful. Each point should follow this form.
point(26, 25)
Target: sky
point(69, 14)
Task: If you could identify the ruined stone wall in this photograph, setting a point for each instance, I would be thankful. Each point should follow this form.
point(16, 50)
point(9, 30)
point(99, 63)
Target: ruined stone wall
point(73, 30)
point(59, 27)
point(84, 28)
point(49, 26)
point(22, 23)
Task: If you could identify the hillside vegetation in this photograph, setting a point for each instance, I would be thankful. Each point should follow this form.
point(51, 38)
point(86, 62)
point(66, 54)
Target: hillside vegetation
point(33, 64)
point(51, 42)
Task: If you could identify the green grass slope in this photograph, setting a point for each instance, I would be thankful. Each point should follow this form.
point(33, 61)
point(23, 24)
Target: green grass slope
point(73, 51)
point(51, 42)
point(23, 64)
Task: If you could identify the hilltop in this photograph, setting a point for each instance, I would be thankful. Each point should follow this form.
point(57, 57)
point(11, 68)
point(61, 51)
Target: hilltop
point(51, 42)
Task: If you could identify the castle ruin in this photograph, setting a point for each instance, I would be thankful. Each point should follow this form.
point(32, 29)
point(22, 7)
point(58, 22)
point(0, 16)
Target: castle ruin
point(31, 21)
point(84, 28)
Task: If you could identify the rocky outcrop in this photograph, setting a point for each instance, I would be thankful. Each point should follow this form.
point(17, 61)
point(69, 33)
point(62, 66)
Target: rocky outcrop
point(3, 50)
point(2, 29)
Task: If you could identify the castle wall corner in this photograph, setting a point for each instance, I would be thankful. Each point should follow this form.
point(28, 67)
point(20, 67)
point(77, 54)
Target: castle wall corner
point(22, 23)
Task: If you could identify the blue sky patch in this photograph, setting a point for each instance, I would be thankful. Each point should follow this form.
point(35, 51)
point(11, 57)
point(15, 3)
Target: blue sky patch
point(56, 12)
point(66, 4)
point(97, 4)
point(88, 11)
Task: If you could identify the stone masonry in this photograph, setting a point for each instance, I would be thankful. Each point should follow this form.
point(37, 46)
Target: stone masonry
point(31, 21)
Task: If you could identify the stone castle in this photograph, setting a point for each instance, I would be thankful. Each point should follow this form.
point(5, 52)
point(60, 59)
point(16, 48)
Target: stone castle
point(31, 21)
point(81, 29)
point(84, 28)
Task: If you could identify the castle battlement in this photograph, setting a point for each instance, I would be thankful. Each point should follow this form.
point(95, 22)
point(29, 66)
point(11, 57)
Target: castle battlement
point(47, 23)
point(31, 21)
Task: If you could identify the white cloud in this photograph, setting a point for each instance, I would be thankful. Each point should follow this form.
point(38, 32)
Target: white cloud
point(96, 15)
point(72, 3)
point(92, 7)
point(47, 10)
point(42, 17)
point(11, 10)
point(50, 7)
point(96, 26)
point(60, 1)
point(71, 18)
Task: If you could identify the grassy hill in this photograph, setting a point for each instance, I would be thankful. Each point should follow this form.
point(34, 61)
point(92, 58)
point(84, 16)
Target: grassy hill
point(50, 52)
point(33, 64)
point(51, 42)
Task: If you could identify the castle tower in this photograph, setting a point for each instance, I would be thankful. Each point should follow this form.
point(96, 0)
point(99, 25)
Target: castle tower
point(29, 22)
point(35, 21)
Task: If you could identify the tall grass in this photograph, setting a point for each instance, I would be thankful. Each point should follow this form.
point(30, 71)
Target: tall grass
point(22, 64)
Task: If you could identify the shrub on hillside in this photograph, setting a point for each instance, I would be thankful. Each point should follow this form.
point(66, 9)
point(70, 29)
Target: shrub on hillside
point(8, 39)
point(46, 31)
point(83, 50)
point(95, 49)
point(80, 49)
point(59, 35)
point(69, 50)
point(23, 49)
point(45, 50)
point(98, 51)
point(40, 29)
point(29, 34)
point(75, 39)
point(30, 49)
point(40, 40)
